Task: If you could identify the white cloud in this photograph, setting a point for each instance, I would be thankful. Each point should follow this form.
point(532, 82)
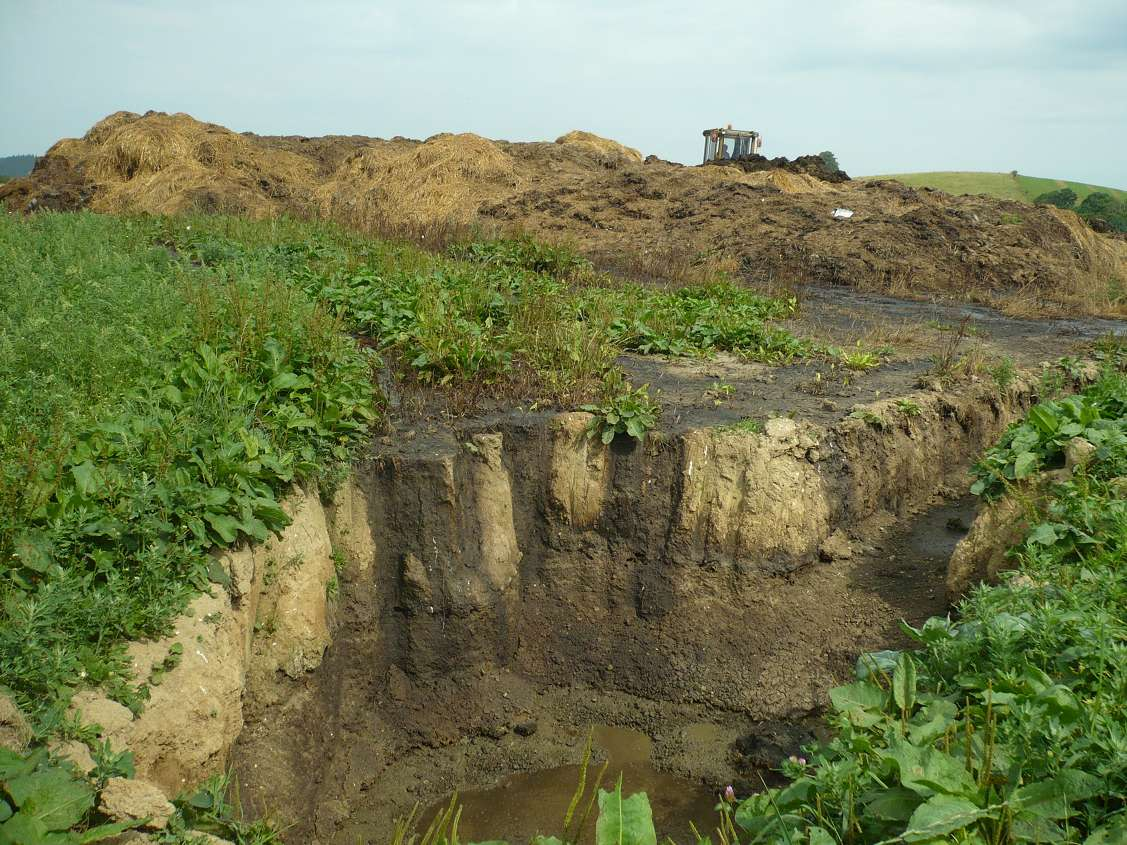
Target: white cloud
point(888, 84)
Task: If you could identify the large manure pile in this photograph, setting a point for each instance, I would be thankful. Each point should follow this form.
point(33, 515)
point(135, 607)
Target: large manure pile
point(771, 218)
point(445, 178)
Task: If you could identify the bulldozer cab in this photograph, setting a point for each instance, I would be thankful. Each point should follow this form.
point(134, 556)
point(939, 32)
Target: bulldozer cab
point(729, 143)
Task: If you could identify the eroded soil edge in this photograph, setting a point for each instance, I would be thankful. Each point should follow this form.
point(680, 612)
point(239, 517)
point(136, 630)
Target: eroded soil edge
point(510, 582)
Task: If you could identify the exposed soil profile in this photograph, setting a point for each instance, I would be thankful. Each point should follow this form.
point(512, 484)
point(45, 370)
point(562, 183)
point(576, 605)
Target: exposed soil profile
point(703, 590)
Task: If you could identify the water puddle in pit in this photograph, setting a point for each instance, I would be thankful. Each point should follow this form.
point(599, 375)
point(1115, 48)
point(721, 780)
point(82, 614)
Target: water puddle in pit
point(530, 803)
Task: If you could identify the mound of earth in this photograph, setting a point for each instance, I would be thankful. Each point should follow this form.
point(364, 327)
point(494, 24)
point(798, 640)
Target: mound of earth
point(770, 220)
point(809, 165)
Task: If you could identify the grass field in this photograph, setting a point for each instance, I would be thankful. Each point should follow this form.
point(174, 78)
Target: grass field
point(1003, 185)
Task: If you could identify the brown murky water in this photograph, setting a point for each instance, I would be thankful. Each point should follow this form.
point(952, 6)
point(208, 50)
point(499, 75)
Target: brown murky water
point(530, 803)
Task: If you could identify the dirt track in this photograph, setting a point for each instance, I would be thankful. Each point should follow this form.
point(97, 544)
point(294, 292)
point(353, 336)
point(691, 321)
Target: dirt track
point(773, 227)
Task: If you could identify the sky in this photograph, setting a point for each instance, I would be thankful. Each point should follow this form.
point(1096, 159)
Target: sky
point(888, 85)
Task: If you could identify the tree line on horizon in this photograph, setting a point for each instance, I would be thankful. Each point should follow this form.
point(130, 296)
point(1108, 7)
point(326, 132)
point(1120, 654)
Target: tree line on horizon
point(17, 165)
point(1097, 208)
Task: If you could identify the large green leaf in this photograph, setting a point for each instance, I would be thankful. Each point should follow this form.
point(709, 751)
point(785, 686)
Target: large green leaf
point(861, 702)
point(1050, 799)
point(861, 695)
point(932, 721)
point(52, 796)
point(22, 829)
point(1036, 831)
point(13, 764)
point(940, 815)
point(895, 804)
point(927, 770)
point(1024, 464)
point(624, 821)
point(33, 548)
point(227, 527)
point(1110, 834)
point(1045, 419)
point(904, 682)
point(87, 478)
point(105, 831)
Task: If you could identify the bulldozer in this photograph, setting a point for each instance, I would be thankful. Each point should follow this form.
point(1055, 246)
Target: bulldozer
point(729, 143)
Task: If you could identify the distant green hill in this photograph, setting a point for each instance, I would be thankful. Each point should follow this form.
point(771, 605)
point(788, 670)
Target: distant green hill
point(1002, 185)
point(12, 166)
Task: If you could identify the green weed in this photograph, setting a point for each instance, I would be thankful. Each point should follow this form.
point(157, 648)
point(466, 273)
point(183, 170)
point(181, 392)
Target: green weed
point(1003, 373)
point(908, 408)
point(625, 410)
point(1099, 415)
point(871, 418)
point(45, 801)
point(524, 253)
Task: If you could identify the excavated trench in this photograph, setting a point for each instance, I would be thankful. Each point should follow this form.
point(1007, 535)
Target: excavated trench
point(511, 584)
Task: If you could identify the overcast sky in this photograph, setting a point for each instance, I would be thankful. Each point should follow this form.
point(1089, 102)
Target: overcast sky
point(889, 85)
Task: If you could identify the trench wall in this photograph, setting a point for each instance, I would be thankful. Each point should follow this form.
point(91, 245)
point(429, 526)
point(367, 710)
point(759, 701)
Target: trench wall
point(671, 569)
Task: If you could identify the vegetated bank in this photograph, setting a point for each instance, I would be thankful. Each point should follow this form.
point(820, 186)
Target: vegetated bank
point(167, 381)
point(150, 410)
point(1007, 724)
point(646, 217)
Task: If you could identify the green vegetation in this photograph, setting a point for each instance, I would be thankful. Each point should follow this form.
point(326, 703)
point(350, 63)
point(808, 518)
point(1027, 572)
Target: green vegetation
point(908, 408)
point(150, 408)
point(625, 411)
point(164, 381)
point(1006, 726)
point(207, 810)
point(748, 425)
point(513, 317)
point(1103, 208)
point(830, 160)
point(44, 802)
point(1061, 198)
point(1003, 185)
point(47, 801)
point(1099, 416)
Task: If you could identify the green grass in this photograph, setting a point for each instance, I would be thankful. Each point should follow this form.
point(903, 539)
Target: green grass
point(150, 409)
point(163, 382)
point(1002, 185)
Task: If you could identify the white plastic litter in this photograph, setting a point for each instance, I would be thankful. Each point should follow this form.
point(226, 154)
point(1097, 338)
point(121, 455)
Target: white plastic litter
point(842, 213)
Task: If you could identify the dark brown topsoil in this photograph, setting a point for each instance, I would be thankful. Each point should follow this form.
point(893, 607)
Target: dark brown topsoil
point(358, 749)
